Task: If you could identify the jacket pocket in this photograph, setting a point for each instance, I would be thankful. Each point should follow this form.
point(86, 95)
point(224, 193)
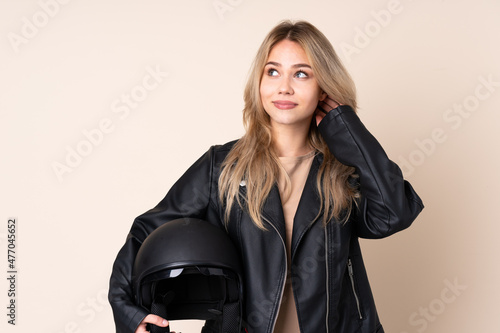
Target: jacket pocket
point(353, 286)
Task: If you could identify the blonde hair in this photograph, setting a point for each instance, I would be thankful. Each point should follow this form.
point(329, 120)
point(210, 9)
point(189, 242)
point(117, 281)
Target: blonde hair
point(253, 158)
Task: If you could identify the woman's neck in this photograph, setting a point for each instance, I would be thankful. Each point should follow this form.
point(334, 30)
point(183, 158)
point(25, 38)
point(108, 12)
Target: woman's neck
point(290, 141)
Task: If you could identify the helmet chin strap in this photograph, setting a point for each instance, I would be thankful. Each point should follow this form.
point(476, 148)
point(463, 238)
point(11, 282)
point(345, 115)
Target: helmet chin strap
point(159, 308)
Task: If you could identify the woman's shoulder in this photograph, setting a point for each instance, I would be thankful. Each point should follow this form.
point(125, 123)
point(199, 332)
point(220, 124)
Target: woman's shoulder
point(224, 148)
point(217, 152)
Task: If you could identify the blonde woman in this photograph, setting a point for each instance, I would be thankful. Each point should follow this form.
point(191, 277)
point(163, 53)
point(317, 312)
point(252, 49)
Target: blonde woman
point(294, 194)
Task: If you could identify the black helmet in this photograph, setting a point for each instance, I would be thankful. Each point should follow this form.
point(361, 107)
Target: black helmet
point(190, 269)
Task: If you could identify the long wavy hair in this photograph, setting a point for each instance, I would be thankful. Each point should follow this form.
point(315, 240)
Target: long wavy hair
point(253, 158)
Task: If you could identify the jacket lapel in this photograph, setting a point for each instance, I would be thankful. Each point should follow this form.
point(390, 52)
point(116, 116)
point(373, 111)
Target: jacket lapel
point(272, 211)
point(308, 207)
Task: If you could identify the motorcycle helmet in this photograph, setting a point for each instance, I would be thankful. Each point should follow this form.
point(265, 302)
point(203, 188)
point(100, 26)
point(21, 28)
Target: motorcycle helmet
point(190, 269)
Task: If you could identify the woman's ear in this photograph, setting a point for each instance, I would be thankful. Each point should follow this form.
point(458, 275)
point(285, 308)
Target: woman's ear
point(322, 96)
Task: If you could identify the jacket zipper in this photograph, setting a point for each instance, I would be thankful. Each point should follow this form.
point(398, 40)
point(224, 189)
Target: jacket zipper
point(327, 282)
point(284, 281)
point(351, 276)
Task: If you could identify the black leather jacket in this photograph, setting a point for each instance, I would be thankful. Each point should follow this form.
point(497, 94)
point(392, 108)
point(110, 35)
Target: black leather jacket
point(330, 284)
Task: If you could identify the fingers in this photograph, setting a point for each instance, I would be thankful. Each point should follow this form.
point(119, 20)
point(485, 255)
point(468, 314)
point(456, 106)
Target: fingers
point(151, 319)
point(155, 320)
point(321, 109)
point(329, 103)
point(319, 117)
point(325, 106)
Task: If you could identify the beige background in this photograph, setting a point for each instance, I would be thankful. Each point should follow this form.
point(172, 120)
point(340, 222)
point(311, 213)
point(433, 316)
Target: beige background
point(66, 65)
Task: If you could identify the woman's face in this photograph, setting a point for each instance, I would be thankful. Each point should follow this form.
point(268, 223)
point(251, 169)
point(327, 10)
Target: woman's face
point(288, 90)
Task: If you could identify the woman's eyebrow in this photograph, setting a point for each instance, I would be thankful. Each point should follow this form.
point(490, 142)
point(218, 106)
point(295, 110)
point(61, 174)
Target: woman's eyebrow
point(277, 64)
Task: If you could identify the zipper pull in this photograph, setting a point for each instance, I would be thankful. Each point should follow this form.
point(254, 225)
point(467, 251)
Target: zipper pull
point(351, 277)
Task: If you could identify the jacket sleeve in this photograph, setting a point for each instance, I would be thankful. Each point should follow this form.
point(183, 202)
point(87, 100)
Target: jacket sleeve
point(190, 196)
point(388, 203)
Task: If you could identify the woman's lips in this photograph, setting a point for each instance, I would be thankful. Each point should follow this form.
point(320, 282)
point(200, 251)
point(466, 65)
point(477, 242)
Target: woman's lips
point(284, 105)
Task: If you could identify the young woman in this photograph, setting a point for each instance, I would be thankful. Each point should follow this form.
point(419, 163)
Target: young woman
point(294, 193)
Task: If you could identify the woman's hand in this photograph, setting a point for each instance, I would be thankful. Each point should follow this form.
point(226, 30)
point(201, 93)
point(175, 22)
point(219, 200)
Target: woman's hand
point(151, 319)
point(325, 106)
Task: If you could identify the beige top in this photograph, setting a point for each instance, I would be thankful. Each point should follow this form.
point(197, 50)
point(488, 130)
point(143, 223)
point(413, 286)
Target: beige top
point(297, 169)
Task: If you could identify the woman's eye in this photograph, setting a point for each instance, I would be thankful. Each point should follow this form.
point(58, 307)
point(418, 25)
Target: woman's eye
point(272, 72)
point(301, 74)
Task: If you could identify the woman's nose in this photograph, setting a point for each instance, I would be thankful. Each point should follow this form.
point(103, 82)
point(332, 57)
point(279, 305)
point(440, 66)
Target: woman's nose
point(285, 86)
